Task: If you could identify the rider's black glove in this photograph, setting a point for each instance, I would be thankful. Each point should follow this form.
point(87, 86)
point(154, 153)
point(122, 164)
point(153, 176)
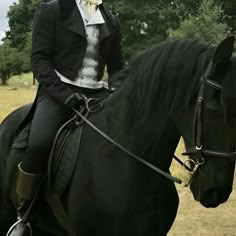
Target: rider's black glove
point(74, 101)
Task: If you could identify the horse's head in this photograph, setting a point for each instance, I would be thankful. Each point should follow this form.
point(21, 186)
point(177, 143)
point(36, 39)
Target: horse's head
point(192, 85)
point(210, 132)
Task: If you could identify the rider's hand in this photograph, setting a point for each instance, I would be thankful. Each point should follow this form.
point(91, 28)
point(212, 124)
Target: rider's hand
point(74, 101)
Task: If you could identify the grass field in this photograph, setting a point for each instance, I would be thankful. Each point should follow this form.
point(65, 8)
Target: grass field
point(19, 92)
point(192, 218)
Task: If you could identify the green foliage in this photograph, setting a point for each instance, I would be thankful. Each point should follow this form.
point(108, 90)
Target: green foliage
point(207, 25)
point(145, 23)
point(229, 7)
point(20, 22)
point(18, 39)
point(11, 62)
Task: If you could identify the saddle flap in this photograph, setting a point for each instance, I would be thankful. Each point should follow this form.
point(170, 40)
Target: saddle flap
point(63, 158)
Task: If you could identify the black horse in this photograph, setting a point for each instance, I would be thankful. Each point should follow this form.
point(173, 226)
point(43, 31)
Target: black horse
point(179, 88)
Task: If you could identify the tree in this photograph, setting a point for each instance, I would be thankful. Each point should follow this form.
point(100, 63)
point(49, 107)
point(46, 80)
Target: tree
point(145, 23)
point(20, 22)
point(229, 8)
point(19, 36)
point(207, 25)
point(11, 62)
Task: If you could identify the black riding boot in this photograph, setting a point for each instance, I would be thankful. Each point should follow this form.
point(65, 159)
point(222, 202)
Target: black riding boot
point(27, 186)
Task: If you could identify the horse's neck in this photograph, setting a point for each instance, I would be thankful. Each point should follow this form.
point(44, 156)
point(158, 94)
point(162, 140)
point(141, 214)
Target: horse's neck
point(154, 139)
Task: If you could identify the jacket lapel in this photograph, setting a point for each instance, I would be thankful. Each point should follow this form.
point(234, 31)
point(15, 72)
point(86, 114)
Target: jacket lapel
point(105, 29)
point(74, 22)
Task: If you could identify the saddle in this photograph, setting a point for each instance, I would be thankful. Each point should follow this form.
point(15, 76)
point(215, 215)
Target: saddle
point(62, 160)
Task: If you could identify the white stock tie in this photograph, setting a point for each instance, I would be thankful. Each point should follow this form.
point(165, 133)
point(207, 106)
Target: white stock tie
point(91, 5)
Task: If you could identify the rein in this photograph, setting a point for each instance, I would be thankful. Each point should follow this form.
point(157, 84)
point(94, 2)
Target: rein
point(198, 150)
point(148, 164)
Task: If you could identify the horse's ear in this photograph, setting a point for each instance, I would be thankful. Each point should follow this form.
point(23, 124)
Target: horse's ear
point(223, 51)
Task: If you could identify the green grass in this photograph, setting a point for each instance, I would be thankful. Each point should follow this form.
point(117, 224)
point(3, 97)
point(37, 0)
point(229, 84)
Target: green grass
point(20, 91)
point(21, 81)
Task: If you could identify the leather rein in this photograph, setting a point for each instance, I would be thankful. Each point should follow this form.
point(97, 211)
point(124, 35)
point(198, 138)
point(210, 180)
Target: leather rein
point(93, 105)
point(139, 159)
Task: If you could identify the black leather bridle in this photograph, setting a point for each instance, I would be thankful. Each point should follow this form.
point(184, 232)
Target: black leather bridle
point(198, 150)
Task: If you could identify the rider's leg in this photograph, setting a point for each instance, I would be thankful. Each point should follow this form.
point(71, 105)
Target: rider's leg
point(48, 118)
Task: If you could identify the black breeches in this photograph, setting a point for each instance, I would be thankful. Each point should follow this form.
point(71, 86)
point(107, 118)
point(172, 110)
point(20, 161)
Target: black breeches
point(48, 118)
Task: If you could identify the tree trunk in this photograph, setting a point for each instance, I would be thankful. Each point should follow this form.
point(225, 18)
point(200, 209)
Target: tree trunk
point(4, 81)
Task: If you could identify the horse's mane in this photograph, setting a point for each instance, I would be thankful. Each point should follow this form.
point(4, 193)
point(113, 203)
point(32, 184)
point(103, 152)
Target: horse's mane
point(168, 73)
point(166, 76)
